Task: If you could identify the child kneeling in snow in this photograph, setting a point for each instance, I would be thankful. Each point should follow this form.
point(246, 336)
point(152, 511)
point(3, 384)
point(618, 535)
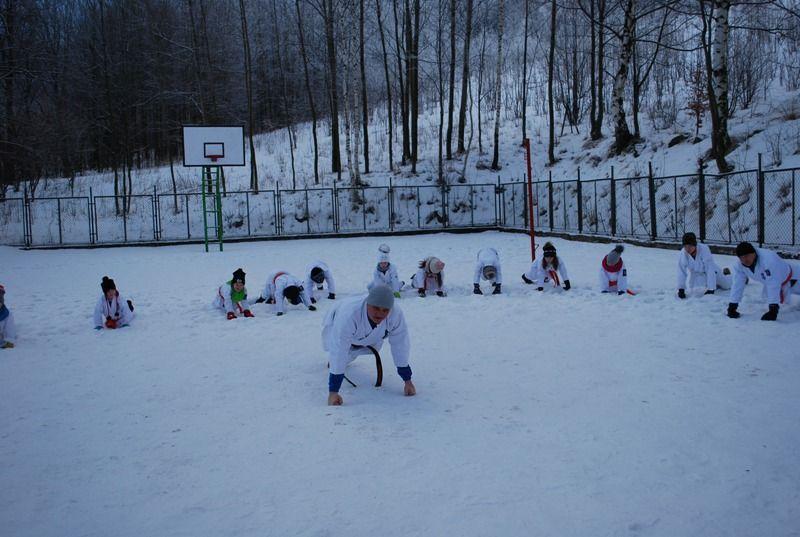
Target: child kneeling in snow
point(8, 331)
point(429, 277)
point(112, 311)
point(488, 267)
point(282, 285)
point(232, 297)
point(386, 274)
point(613, 274)
point(547, 270)
point(318, 273)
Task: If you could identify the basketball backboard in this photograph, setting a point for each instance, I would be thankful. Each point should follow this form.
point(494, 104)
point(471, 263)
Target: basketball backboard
point(213, 145)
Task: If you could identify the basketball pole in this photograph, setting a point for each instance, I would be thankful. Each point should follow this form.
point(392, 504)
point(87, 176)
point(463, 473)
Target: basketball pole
point(212, 175)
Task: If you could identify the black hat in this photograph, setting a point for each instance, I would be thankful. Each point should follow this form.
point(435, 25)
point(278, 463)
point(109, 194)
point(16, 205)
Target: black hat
point(238, 276)
point(107, 284)
point(744, 248)
point(317, 275)
point(292, 294)
point(689, 238)
point(548, 248)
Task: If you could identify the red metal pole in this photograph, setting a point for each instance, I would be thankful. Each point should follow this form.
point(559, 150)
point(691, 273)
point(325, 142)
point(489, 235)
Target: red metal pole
point(527, 145)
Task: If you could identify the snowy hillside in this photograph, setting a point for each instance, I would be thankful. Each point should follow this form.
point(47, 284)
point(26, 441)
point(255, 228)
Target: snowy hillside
point(554, 414)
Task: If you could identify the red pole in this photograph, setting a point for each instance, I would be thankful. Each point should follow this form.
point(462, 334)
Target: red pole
point(527, 145)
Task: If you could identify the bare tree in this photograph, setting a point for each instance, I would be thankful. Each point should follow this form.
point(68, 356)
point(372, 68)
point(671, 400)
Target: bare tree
point(301, 36)
point(462, 113)
point(248, 80)
point(388, 82)
point(498, 84)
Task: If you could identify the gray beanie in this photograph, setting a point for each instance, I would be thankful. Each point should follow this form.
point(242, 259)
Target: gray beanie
point(381, 296)
point(614, 255)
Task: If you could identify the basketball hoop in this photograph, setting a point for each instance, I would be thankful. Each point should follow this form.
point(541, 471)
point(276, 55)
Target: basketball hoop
point(214, 157)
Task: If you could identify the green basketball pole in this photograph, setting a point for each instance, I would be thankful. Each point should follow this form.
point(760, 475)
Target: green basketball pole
point(212, 174)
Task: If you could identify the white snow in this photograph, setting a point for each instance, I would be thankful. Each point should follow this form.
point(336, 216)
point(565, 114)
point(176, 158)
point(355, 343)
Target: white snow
point(555, 414)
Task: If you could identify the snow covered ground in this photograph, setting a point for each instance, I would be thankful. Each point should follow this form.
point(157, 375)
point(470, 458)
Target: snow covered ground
point(555, 414)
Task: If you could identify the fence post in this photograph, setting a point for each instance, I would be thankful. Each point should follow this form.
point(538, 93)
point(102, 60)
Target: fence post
point(580, 202)
point(247, 204)
point(525, 210)
point(444, 205)
point(702, 204)
point(652, 185)
point(390, 195)
point(27, 224)
point(550, 199)
point(335, 194)
point(613, 204)
point(60, 232)
point(155, 214)
point(761, 204)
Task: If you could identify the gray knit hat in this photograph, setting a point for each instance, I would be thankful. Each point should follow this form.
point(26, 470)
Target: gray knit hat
point(613, 256)
point(381, 296)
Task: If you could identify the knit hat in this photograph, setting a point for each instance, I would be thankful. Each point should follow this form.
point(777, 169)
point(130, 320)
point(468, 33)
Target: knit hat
point(689, 238)
point(434, 265)
point(614, 255)
point(292, 294)
point(2, 295)
point(238, 276)
point(744, 248)
point(384, 248)
point(548, 248)
point(381, 296)
point(317, 275)
point(107, 284)
point(383, 257)
point(489, 272)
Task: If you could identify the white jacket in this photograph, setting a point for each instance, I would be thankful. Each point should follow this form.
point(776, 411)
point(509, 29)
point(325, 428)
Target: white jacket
point(116, 308)
point(310, 284)
point(488, 257)
point(277, 282)
point(614, 281)
point(428, 281)
point(223, 300)
point(547, 274)
point(701, 263)
point(347, 325)
point(773, 272)
point(389, 278)
point(8, 330)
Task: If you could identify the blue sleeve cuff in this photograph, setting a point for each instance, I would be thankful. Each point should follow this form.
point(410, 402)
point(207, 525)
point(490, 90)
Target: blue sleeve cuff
point(404, 372)
point(335, 382)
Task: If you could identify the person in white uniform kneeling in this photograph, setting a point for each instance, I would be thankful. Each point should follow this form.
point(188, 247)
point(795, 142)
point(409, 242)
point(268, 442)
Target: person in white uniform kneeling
point(779, 278)
point(696, 263)
point(488, 267)
point(361, 322)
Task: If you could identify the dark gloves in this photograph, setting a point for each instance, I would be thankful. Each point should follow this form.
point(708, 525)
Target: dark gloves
point(496, 289)
point(540, 288)
point(440, 293)
point(248, 313)
point(476, 290)
point(709, 292)
point(260, 299)
point(331, 296)
point(772, 314)
point(271, 300)
point(681, 293)
point(279, 313)
point(567, 286)
point(526, 279)
point(620, 292)
point(231, 315)
point(312, 308)
point(313, 300)
point(732, 313)
point(421, 292)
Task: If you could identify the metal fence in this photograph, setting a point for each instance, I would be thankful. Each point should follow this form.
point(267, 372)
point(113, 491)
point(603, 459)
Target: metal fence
point(759, 206)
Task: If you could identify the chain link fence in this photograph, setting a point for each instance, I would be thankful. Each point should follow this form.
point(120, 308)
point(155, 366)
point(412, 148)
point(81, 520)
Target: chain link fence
point(758, 206)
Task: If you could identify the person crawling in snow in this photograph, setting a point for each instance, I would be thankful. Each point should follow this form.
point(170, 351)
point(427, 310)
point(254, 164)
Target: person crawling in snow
point(385, 273)
point(318, 273)
point(429, 277)
point(549, 271)
point(696, 264)
point(778, 278)
point(613, 274)
point(487, 267)
point(232, 297)
point(112, 311)
point(283, 286)
point(8, 330)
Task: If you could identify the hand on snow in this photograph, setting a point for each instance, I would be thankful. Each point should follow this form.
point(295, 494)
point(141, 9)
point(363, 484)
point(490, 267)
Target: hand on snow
point(396, 294)
point(440, 293)
point(409, 388)
point(231, 315)
point(772, 314)
point(421, 293)
point(620, 292)
point(496, 289)
point(334, 399)
point(312, 308)
point(313, 300)
point(476, 290)
point(98, 327)
point(681, 293)
point(709, 292)
point(331, 296)
point(732, 313)
point(540, 288)
point(260, 299)
point(111, 323)
point(270, 300)
point(248, 313)
point(567, 286)
point(279, 313)
point(6, 345)
point(526, 279)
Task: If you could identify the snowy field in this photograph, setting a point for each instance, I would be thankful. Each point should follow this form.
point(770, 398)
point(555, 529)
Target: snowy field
point(555, 414)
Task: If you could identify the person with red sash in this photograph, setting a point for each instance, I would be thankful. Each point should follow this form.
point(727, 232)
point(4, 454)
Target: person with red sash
point(112, 310)
point(613, 274)
point(232, 297)
point(549, 271)
point(429, 277)
point(283, 286)
point(778, 278)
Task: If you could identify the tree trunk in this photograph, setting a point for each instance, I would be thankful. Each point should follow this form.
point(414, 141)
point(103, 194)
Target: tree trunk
point(597, 124)
point(398, 39)
point(287, 118)
point(719, 72)
point(364, 107)
point(249, 86)
point(415, 91)
point(498, 86)
point(622, 134)
point(462, 112)
point(551, 144)
point(336, 159)
point(452, 79)
point(440, 90)
point(308, 90)
point(388, 81)
point(525, 77)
